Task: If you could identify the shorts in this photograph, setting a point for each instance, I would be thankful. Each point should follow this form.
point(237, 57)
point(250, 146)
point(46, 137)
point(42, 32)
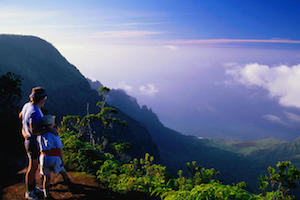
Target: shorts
point(50, 164)
point(32, 148)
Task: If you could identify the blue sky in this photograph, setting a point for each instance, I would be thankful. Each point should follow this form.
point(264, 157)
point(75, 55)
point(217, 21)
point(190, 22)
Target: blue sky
point(179, 20)
point(167, 53)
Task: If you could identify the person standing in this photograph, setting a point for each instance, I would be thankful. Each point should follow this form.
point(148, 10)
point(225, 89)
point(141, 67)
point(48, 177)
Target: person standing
point(31, 116)
point(51, 158)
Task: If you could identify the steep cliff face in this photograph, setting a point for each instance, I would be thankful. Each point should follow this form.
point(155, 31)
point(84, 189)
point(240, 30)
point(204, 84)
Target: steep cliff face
point(40, 64)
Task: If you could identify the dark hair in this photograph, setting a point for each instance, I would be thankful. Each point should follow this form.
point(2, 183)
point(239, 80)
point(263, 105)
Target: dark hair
point(37, 94)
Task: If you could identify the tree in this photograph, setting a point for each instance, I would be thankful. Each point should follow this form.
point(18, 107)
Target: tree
point(281, 181)
point(10, 95)
point(10, 92)
point(88, 124)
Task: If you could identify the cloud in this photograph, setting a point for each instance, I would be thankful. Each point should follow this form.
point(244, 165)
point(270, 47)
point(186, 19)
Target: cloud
point(125, 34)
point(124, 86)
point(293, 117)
point(218, 41)
point(16, 14)
point(171, 47)
point(282, 82)
point(139, 23)
point(273, 118)
point(134, 34)
point(230, 64)
point(149, 89)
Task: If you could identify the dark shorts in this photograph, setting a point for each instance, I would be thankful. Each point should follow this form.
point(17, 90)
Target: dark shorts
point(32, 148)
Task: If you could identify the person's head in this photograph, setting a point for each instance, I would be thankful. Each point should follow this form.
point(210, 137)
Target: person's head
point(48, 120)
point(38, 96)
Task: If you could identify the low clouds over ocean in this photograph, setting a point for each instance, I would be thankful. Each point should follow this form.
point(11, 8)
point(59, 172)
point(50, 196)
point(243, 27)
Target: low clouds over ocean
point(282, 81)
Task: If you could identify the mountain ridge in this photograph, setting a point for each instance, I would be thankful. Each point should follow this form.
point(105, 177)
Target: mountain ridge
point(39, 63)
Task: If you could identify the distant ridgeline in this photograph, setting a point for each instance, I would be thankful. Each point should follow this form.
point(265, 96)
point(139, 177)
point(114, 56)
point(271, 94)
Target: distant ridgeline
point(40, 64)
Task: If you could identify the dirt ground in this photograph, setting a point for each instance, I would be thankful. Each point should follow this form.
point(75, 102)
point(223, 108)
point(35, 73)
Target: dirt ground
point(85, 187)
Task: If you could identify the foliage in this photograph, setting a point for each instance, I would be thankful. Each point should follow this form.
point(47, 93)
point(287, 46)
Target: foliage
point(80, 155)
point(10, 91)
point(10, 95)
point(145, 176)
point(281, 181)
point(138, 175)
point(120, 148)
point(212, 190)
point(105, 118)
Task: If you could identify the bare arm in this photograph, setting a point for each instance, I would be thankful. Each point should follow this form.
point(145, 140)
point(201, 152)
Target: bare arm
point(37, 129)
point(23, 130)
point(20, 115)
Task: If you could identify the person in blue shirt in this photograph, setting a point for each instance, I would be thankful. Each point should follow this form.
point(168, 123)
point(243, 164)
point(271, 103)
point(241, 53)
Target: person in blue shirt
point(51, 155)
point(31, 116)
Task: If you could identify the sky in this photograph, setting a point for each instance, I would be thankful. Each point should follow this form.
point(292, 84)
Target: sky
point(178, 57)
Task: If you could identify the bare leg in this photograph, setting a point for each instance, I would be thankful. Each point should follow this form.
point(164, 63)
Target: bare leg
point(30, 174)
point(46, 182)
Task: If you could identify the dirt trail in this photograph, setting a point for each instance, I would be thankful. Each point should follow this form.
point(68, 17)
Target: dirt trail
point(85, 187)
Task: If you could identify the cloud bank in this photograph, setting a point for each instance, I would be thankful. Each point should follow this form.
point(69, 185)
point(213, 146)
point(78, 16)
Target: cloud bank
point(282, 82)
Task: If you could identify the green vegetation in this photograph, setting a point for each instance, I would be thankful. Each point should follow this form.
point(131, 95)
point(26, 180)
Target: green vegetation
point(10, 95)
point(10, 92)
point(280, 181)
point(144, 176)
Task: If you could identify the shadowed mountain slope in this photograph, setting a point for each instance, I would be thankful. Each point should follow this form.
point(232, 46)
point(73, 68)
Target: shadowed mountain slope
point(39, 63)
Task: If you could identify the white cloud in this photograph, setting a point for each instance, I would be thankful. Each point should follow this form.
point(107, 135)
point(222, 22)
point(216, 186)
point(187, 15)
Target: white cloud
point(149, 89)
point(230, 64)
point(124, 86)
point(282, 82)
point(139, 23)
point(227, 40)
point(293, 117)
point(171, 47)
point(15, 14)
point(124, 34)
point(273, 118)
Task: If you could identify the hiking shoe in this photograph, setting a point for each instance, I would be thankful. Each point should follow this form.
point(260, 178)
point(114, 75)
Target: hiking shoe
point(38, 191)
point(31, 195)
